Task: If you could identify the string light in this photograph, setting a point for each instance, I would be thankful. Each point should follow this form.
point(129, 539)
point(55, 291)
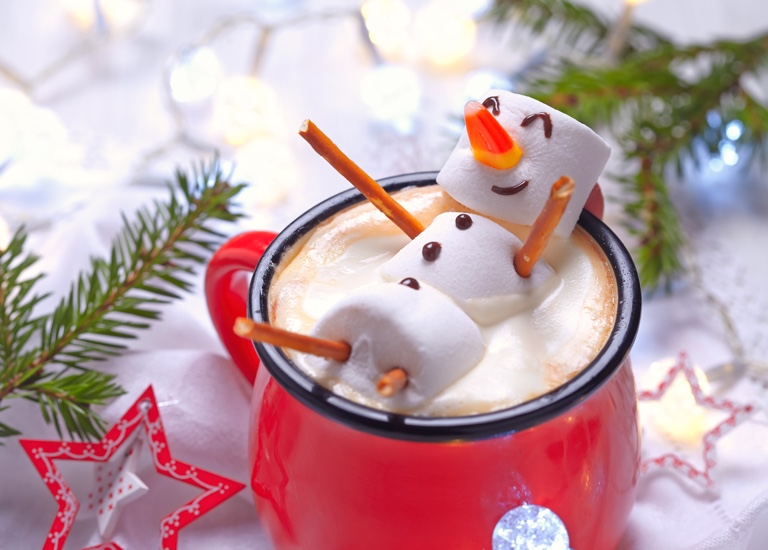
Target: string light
point(243, 108)
point(115, 15)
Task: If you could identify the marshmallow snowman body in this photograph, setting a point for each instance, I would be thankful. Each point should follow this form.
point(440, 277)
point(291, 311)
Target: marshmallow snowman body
point(553, 145)
point(473, 265)
point(393, 325)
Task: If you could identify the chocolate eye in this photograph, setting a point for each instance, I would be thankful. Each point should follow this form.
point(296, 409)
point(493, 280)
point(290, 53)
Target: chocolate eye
point(431, 251)
point(411, 282)
point(545, 119)
point(463, 221)
point(492, 104)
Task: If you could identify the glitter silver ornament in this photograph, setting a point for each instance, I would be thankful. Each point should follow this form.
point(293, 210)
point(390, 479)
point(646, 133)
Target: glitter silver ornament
point(530, 527)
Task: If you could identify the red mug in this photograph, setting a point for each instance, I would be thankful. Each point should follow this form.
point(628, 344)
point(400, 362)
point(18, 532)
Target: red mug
point(330, 474)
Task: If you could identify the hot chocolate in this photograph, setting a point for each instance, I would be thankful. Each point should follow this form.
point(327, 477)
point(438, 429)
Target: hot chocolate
point(533, 341)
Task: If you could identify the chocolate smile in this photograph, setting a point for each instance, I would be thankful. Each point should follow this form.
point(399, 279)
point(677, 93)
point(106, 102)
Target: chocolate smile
point(511, 190)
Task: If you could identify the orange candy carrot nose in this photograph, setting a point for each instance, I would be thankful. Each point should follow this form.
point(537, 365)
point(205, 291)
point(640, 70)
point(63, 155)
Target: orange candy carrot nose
point(491, 144)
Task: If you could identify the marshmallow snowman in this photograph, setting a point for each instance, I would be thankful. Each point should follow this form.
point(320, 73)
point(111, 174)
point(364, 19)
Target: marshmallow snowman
point(513, 184)
point(459, 272)
point(407, 325)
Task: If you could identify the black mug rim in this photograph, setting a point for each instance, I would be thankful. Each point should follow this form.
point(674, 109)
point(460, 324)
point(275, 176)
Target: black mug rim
point(437, 429)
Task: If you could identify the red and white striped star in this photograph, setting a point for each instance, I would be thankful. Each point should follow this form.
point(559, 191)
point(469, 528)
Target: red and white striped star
point(736, 414)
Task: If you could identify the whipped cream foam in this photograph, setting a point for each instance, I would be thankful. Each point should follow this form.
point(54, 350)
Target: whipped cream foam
point(533, 341)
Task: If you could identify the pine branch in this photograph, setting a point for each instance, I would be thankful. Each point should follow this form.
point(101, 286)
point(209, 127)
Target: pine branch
point(659, 101)
point(68, 400)
point(6, 430)
point(17, 303)
point(151, 260)
point(652, 217)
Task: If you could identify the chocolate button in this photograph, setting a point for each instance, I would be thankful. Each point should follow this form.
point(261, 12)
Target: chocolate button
point(431, 251)
point(463, 221)
point(411, 282)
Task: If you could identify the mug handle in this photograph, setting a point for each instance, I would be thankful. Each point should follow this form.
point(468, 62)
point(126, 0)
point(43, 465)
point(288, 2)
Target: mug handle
point(596, 202)
point(226, 291)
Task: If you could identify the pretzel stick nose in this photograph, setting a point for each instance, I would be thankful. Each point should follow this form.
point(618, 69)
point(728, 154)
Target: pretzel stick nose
point(362, 181)
point(544, 226)
point(262, 332)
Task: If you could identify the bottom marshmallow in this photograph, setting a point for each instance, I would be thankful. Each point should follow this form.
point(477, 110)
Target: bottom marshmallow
point(410, 326)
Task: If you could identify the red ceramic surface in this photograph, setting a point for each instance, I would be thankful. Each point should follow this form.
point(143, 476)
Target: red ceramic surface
point(226, 291)
point(321, 485)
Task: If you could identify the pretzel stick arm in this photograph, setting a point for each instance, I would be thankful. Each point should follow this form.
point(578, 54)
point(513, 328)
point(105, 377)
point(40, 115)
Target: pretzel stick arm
point(262, 332)
point(392, 382)
point(369, 187)
point(544, 226)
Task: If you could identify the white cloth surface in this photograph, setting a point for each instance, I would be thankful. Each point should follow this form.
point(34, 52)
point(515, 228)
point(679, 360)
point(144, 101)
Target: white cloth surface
point(204, 405)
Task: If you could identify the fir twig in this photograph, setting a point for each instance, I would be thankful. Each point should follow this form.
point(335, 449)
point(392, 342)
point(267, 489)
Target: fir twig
point(659, 101)
point(47, 358)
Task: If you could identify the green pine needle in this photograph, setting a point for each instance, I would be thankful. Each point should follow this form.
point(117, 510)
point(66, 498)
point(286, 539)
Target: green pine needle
point(570, 24)
point(48, 358)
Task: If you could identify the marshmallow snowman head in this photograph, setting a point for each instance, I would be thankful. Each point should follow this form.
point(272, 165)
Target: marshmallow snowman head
point(513, 150)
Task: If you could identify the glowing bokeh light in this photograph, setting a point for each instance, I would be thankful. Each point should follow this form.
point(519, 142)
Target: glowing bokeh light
point(478, 82)
point(387, 22)
point(714, 120)
point(269, 167)
point(117, 14)
point(393, 94)
point(245, 108)
point(728, 153)
point(30, 135)
point(734, 130)
point(444, 36)
point(195, 74)
point(716, 164)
